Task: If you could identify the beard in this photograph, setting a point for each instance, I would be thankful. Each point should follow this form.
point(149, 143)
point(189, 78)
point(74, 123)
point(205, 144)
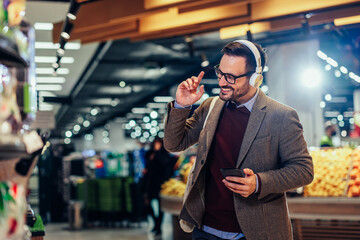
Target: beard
point(227, 93)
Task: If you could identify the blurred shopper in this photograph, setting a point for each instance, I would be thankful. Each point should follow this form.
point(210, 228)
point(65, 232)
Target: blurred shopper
point(330, 132)
point(245, 130)
point(159, 165)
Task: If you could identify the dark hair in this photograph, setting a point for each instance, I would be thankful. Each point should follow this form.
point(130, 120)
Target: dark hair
point(238, 49)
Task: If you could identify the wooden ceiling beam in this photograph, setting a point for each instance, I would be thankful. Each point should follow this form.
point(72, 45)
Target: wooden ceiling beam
point(108, 19)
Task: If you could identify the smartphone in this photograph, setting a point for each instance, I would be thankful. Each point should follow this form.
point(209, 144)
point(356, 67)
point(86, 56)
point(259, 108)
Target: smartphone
point(234, 172)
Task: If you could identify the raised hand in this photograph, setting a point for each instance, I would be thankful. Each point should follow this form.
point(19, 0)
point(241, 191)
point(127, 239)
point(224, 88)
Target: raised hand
point(186, 93)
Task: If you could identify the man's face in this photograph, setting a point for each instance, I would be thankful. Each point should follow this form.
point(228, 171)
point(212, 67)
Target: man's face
point(240, 91)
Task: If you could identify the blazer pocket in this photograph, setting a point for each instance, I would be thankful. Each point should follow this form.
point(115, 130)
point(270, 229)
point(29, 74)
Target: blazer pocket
point(262, 139)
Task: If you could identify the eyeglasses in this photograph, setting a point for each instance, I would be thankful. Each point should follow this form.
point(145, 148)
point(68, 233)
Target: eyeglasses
point(229, 77)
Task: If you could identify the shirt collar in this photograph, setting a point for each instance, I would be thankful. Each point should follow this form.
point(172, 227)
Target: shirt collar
point(249, 104)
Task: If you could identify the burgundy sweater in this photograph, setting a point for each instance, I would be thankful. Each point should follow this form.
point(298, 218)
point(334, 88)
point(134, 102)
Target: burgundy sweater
point(224, 152)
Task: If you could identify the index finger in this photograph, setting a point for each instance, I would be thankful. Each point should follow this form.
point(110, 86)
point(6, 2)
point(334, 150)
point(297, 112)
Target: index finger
point(200, 76)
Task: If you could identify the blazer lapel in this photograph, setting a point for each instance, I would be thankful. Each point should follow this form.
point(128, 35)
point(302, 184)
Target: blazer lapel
point(256, 117)
point(212, 122)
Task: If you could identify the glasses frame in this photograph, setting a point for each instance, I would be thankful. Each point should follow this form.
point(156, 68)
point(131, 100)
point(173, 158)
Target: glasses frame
point(217, 70)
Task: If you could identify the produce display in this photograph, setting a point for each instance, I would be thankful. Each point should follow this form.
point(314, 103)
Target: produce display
point(354, 182)
point(176, 186)
point(173, 187)
point(332, 172)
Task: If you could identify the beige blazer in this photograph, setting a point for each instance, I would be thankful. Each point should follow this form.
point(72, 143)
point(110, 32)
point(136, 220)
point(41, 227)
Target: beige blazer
point(273, 146)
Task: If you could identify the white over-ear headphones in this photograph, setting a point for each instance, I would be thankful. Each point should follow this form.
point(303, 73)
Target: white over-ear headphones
point(257, 76)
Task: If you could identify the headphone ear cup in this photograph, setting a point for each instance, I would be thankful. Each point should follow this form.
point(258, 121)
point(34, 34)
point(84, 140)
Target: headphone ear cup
point(256, 79)
point(253, 78)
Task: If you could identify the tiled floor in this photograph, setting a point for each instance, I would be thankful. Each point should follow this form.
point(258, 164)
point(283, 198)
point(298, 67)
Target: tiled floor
point(137, 232)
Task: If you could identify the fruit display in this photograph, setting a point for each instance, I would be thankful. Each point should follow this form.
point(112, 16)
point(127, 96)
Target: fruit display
point(354, 181)
point(173, 187)
point(331, 170)
point(176, 186)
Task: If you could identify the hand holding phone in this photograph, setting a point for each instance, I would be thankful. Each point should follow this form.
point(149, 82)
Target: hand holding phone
point(231, 172)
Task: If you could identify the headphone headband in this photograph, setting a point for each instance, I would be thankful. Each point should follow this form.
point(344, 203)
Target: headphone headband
point(255, 52)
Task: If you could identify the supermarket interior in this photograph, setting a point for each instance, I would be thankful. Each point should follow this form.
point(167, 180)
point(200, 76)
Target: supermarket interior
point(84, 93)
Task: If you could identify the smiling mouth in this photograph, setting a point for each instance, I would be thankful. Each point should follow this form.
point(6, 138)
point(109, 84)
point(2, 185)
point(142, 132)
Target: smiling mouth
point(226, 90)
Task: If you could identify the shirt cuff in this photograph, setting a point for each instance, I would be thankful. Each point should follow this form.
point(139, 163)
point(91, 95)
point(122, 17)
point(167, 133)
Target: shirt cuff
point(178, 106)
point(258, 184)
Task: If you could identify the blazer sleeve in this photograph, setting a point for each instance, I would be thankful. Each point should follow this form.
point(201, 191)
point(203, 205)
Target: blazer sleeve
point(296, 167)
point(182, 132)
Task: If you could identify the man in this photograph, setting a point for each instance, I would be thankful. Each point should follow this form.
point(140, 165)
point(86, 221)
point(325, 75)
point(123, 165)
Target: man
point(330, 132)
point(243, 129)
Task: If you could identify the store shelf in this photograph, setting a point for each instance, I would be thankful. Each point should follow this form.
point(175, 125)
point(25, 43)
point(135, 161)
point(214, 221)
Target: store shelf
point(327, 208)
point(9, 54)
point(171, 204)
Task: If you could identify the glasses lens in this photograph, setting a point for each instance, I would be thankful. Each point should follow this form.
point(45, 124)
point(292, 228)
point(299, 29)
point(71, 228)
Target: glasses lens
point(230, 78)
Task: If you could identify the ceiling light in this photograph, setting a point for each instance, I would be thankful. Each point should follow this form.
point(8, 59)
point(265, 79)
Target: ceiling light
point(65, 35)
point(55, 65)
point(48, 87)
point(114, 102)
point(337, 73)
point(67, 140)
point(86, 123)
point(327, 67)
point(332, 62)
point(77, 127)
point(322, 104)
point(43, 59)
point(132, 123)
point(46, 107)
point(50, 71)
point(94, 111)
point(321, 55)
point(343, 133)
point(68, 26)
point(60, 52)
point(139, 110)
point(73, 9)
point(204, 60)
point(68, 133)
point(156, 105)
point(154, 123)
point(43, 26)
point(343, 70)
point(71, 16)
point(163, 70)
point(354, 77)
point(50, 79)
point(165, 99)
point(154, 114)
point(122, 84)
point(146, 119)
point(73, 46)
point(328, 97)
point(347, 20)
point(146, 134)
point(89, 137)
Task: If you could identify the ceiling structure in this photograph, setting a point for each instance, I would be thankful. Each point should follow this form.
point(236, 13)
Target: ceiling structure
point(133, 52)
